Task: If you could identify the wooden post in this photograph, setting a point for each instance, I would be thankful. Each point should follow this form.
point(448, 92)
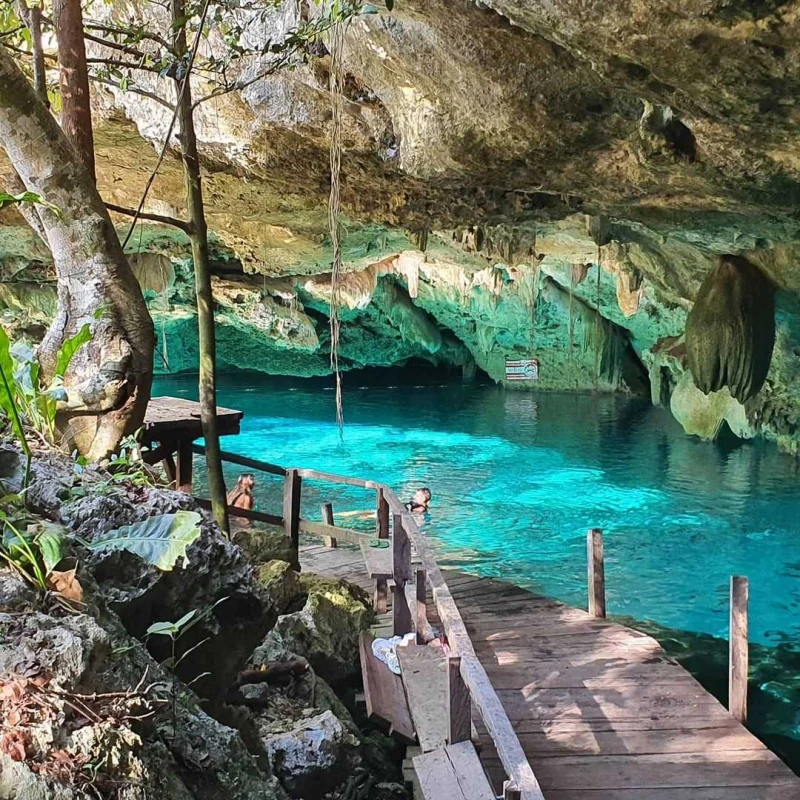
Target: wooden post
point(382, 516)
point(292, 486)
point(327, 518)
point(597, 573)
point(459, 726)
point(401, 571)
point(421, 609)
point(738, 649)
point(510, 791)
point(183, 477)
point(382, 524)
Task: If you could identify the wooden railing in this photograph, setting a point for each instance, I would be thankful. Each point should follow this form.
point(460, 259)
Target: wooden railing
point(522, 782)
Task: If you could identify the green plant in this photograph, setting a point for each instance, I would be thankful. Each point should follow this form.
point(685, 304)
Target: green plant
point(127, 466)
point(159, 540)
point(36, 400)
point(34, 552)
point(7, 199)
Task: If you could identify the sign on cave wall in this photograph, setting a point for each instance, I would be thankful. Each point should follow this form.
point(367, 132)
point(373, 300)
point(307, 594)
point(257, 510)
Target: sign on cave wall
point(526, 369)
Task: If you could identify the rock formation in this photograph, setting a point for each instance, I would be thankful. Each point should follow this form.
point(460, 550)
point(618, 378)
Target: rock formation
point(519, 180)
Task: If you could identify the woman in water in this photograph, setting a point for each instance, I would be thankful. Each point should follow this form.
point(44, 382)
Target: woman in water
point(419, 502)
point(241, 496)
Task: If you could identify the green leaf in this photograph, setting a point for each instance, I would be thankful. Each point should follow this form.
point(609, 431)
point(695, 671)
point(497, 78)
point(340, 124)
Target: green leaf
point(185, 618)
point(70, 347)
point(159, 540)
point(7, 199)
point(162, 629)
point(51, 545)
point(9, 390)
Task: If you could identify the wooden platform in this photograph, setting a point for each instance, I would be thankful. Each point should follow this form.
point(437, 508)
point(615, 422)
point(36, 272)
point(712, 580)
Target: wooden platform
point(170, 418)
point(601, 712)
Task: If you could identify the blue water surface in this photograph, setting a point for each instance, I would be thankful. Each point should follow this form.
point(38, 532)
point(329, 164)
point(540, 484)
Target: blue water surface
point(517, 478)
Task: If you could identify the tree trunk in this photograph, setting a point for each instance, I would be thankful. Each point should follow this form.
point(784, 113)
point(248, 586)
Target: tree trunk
point(76, 110)
point(202, 281)
point(32, 17)
point(108, 383)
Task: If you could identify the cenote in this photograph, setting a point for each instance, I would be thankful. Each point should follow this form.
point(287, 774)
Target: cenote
point(518, 477)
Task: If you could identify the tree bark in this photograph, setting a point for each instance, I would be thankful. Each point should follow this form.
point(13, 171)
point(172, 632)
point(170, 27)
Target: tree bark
point(76, 110)
point(32, 17)
point(202, 280)
point(108, 382)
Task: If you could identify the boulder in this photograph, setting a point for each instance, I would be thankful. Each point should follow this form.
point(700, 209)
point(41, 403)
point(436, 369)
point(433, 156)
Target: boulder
point(326, 630)
point(314, 757)
point(282, 584)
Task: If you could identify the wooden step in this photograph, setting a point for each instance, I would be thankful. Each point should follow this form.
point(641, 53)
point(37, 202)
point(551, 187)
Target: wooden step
point(424, 673)
point(384, 694)
point(378, 560)
point(453, 772)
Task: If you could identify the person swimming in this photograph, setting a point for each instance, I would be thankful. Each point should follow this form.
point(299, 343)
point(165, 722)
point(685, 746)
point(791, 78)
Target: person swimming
point(419, 502)
point(241, 496)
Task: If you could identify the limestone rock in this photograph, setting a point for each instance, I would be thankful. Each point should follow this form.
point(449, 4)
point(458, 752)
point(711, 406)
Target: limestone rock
point(326, 630)
point(281, 582)
point(313, 757)
point(703, 414)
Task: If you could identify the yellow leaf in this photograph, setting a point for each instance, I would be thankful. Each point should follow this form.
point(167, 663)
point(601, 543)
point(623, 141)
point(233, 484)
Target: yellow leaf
point(66, 585)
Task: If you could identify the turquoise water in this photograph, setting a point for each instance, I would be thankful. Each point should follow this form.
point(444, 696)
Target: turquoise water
point(518, 478)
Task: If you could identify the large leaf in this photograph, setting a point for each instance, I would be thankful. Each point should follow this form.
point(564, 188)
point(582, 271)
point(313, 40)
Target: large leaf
point(51, 544)
point(8, 398)
point(70, 347)
point(7, 199)
point(159, 540)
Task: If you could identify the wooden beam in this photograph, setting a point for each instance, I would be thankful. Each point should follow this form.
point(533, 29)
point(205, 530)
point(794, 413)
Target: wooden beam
point(738, 649)
point(401, 570)
point(420, 607)
point(292, 488)
point(244, 461)
point(313, 474)
point(459, 707)
point(327, 517)
point(184, 465)
point(597, 572)
point(382, 515)
point(245, 513)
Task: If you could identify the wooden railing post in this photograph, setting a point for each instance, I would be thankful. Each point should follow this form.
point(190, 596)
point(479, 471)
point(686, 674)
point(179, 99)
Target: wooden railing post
point(738, 649)
point(421, 607)
point(327, 518)
point(597, 573)
point(459, 725)
point(510, 791)
point(292, 487)
point(184, 466)
point(382, 516)
point(401, 571)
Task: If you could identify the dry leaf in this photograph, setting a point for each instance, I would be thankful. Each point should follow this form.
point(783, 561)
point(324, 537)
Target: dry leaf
point(66, 585)
point(15, 744)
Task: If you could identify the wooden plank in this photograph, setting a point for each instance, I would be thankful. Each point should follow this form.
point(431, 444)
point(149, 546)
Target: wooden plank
point(459, 711)
point(452, 773)
point(381, 515)
point(738, 649)
point(327, 518)
point(184, 466)
point(421, 625)
point(384, 694)
point(175, 417)
point(377, 560)
point(759, 792)
point(597, 573)
point(424, 673)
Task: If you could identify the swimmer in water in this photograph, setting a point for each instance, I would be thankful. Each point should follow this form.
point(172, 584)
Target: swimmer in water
point(419, 502)
point(241, 496)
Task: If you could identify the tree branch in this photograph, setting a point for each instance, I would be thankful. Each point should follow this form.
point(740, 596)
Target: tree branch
point(164, 220)
point(113, 62)
point(133, 33)
point(135, 89)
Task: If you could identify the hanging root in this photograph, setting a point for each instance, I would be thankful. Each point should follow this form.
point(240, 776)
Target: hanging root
point(334, 207)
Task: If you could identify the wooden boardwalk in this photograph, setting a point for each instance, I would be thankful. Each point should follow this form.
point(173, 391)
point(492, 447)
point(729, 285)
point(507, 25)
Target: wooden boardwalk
point(601, 712)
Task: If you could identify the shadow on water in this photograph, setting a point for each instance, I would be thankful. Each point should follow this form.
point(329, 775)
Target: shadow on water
point(517, 479)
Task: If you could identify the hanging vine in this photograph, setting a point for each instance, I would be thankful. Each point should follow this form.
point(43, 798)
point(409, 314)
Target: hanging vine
point(334, 207)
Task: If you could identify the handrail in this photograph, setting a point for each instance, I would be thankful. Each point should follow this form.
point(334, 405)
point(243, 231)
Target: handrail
point(494, 716)
point(244, 461)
